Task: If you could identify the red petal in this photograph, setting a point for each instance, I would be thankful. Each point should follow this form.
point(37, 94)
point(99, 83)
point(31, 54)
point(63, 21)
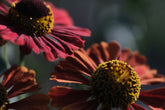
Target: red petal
point(95, 53)
point(7, 34)
point(3, 7)
point(137, 107)
point(33, 102)
point(20, 40)
point(84, 105)
point(62, 96)
point(141, 70)
point(114, 50)
point(155, 97)
point(74, 30)
point(20, 79)
point(136, 59)
point(124, 55)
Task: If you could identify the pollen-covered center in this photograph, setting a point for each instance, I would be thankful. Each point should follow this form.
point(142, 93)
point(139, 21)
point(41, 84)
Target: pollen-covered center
point(115, 84)
point(31, 17)
point(3, 97)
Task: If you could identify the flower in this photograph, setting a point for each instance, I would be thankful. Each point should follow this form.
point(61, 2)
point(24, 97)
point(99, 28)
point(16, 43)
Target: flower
point(17, 81)
point(38, 26)
point(108, 78)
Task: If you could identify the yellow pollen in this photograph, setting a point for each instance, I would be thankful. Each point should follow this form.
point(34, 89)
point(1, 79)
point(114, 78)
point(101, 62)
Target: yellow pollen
point(3, 97)
point(31, 25)
point(115, 84)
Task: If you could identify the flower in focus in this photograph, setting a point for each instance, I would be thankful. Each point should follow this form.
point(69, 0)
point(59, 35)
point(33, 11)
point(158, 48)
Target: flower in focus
point(38, 26)
point(17, 81)
point(108, 78)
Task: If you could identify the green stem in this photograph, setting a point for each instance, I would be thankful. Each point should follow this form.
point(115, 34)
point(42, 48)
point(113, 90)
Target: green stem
point(21, 62)
point(4, 56)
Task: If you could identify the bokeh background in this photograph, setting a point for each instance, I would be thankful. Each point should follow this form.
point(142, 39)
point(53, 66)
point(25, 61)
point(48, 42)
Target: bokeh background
point(137, 24)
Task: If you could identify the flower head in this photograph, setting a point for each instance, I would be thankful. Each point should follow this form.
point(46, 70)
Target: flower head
point(17, 81)
point(112, 78)
point(38, 26)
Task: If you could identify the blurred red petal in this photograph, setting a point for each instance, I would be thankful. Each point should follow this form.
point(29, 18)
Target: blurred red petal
point(114, 50)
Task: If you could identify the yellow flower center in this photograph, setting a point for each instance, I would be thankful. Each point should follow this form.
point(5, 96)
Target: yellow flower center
point(32, 17)
point(115, 84)
point(3, 97)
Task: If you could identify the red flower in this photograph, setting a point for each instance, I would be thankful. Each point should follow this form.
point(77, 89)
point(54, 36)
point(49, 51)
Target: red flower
point(38, 26)
point(17, 81)
point(107, 76)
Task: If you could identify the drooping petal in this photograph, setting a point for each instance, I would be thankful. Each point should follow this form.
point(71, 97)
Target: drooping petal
point(72, 29)
point(62, 96)
point(70, 75)
point(20, 79)
point(82, 105)
point(137, 107)
point(7, 33)
point(155, 97)
point(23, 87)
point(20, 40)
point(56, 48)
point(33, 102)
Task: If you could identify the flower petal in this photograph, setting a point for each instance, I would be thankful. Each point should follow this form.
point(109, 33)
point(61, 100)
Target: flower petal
point(114, 50)
point(136, 59)
point(56, 49)
point(7, 33)
point(73, 68)
point(62, 96)
point(84, 105)
point(70, 73)
point(95, 53)
point(20, 79)
point(137, 107)
point(20, 40)
point(22, 87)
point(155, 97)
point(124, 55)
point(141, 70)
point(4, 8)
point(151, 77)
point(33, 102)
point(72, 30)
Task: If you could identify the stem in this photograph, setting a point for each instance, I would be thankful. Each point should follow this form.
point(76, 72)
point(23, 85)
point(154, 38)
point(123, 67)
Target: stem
point(21, 62)
point(4, 57)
